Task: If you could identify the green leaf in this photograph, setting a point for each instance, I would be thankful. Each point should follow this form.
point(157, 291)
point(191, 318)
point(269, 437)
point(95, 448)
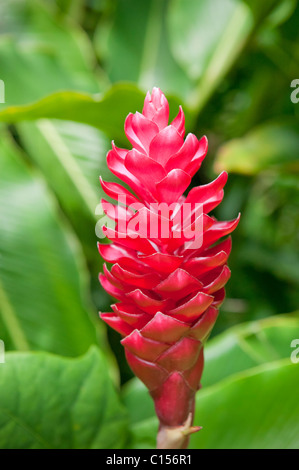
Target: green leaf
point(133, 44)
point(49, 402)
point(106, 112)
point(41, 53)
point(270, 146)
point(138, 401)
point(248, 345)
point(207, 38)
point(43, 278)
point(232, 357)
point(196, 29)
point(144, 434)
point(71, 156)
point(258, 409)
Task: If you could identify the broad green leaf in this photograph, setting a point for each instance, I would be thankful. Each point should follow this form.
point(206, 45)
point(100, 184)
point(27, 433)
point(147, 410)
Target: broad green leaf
point(240, 349)
point(256, 409)
point(196, 29)
point(133, 44)
point(41, 53)
point(138, 401)
point(207, 38)
point(144, 434)
point(107, 112)
point(71, 156)
point(270, 146)
point(248, 345)
point(43, 278)
point(49, 402)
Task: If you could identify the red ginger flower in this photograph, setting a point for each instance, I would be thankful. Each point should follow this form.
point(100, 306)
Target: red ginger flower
point(169, 286)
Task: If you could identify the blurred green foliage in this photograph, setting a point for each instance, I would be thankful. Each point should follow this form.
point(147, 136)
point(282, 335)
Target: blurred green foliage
point(72, 70)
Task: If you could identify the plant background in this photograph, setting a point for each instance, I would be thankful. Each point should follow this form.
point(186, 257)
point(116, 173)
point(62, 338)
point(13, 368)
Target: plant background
point(72, 71)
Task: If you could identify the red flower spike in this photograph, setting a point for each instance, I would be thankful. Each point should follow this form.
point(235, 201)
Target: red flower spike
point(169, 261)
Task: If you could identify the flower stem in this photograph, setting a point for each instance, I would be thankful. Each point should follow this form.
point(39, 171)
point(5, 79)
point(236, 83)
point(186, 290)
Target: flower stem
point(176, 437)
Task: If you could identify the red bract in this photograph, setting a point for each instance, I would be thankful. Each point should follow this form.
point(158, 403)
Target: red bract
point(169, 268)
